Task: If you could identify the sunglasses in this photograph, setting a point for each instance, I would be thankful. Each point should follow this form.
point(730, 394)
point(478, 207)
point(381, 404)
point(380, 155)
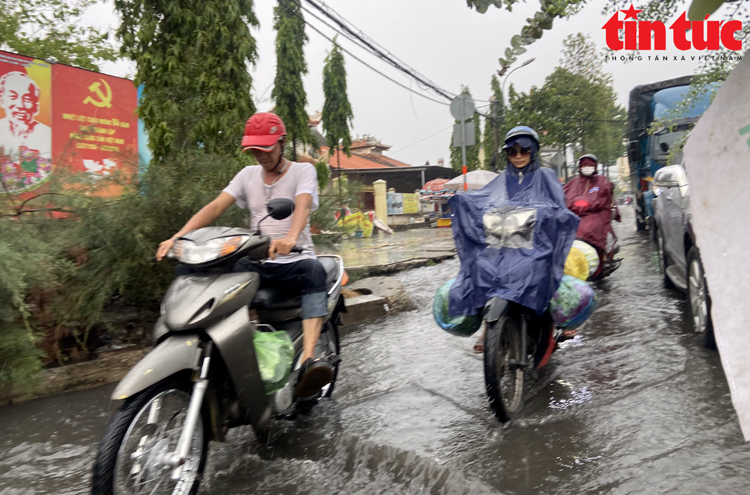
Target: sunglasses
point(514, 151)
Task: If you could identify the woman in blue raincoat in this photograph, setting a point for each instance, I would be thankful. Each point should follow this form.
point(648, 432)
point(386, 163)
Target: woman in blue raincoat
point(528, 272)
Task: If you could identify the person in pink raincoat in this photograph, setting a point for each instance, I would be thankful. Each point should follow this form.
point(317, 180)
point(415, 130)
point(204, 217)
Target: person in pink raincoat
point(590, 196)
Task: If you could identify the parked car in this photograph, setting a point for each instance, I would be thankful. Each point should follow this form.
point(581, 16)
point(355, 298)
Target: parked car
point(679, 257)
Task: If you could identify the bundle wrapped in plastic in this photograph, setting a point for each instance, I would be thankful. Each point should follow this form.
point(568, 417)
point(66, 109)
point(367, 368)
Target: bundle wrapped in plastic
point(275, 354)
point(462, 326)
point(573, 303)
point(589, 251)
point(576, 264)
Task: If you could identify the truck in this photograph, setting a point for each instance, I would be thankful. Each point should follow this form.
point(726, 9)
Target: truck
point(651, 149)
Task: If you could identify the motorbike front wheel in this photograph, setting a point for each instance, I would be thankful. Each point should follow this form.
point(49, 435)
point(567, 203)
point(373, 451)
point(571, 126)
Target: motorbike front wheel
point(503, 373)
point(142, 432)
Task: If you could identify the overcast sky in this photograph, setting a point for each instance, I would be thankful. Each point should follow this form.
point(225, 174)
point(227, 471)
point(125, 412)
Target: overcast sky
point(443, 40)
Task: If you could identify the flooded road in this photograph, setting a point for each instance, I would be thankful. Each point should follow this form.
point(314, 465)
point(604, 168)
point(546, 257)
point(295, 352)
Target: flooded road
point(632, 405)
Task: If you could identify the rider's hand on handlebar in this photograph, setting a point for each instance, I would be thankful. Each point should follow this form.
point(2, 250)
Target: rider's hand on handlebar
point(280, 247)
point(164, 248)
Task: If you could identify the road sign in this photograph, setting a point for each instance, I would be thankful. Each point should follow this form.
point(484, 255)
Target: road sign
point(462, 107)
point(458, 135)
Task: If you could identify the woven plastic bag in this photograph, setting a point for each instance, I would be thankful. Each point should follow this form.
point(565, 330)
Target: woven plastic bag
point(275, 354)
point(462, 326)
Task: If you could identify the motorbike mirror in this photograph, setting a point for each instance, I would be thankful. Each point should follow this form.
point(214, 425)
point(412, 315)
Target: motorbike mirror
point(280, 208)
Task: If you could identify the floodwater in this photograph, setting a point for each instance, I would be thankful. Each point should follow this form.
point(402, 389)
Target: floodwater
point(632, 405)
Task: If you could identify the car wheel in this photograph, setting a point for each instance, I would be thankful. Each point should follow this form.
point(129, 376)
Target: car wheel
point(699, 299)
point(663, 261)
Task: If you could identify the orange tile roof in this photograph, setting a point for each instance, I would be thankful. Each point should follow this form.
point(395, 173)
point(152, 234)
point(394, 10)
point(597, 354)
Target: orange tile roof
point(361, 161)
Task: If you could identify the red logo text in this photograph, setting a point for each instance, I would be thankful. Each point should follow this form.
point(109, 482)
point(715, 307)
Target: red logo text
point(647, 35)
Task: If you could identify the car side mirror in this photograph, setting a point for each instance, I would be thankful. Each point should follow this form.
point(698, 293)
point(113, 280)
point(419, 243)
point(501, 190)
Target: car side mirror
point(664, 147)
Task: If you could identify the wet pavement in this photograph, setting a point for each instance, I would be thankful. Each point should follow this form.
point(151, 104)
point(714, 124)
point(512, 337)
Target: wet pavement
point(383, 249)
point(632, 405)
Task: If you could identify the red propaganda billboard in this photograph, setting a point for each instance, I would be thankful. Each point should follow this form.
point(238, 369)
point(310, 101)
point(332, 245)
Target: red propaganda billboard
point(25, 123)
point(56, 118)
point(94, 126)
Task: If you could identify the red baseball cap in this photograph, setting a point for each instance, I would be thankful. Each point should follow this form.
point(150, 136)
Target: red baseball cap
point(263, 131)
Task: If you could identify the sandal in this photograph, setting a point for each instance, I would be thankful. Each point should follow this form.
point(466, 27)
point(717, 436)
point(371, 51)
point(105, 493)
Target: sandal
point(312, 376)
point(569, 334)
point(479, 345)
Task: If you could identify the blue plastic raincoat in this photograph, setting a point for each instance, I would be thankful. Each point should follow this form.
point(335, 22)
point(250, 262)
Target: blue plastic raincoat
point(527, 273)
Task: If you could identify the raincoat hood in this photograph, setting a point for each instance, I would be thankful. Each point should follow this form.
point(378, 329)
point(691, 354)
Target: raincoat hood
point(524, 269)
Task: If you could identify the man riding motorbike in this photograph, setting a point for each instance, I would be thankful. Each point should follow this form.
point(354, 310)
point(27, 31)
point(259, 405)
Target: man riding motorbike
point(528, 274)
point(590, 196)
point(252, 188)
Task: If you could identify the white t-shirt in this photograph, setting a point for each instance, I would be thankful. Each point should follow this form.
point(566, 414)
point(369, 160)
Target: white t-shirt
point(250, 192)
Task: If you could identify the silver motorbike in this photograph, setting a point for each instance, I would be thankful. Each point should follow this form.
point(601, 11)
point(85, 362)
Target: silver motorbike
point(202, 376)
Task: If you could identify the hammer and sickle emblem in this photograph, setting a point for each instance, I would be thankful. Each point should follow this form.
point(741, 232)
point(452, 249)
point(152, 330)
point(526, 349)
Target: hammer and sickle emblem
point(105, 100)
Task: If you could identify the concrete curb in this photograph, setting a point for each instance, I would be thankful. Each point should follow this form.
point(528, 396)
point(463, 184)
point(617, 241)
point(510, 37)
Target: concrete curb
point(369, 271)
point(113, 368)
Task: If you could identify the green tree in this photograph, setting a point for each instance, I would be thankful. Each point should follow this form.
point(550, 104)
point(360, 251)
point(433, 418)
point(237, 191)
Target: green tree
point(580, 55)
point(288, 91)
point(192, 62)
point(337, 111)
point(572, 109)
point(52, 30)
point(493, 122)
point(472, 152)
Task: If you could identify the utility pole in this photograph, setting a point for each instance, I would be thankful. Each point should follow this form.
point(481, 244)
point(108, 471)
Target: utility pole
point(497, 108)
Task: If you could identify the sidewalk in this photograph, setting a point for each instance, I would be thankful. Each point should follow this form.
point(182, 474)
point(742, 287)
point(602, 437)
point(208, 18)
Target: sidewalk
point(389, 253)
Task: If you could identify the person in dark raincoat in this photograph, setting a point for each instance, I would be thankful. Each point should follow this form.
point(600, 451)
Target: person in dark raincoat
point(529, 272)
point(590, 196)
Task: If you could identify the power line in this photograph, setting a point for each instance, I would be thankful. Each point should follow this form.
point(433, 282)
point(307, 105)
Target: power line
point(377, 50)
point(423, 139)
point(286, 6)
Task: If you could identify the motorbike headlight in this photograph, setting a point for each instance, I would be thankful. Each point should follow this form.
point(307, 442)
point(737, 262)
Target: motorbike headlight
point(510, 226)
point(190, 253)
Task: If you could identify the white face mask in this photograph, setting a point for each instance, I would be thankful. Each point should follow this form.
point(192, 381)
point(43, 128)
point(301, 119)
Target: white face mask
point(587, 171)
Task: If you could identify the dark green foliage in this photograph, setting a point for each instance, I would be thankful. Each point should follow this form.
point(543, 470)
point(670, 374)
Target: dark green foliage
point(192, 59)
point(324, 172)
point(576, 105)
point(25, 262)
point(52, 30)
point(288, 90)
point(492, 140)
point(337, 111)
point(472, 152)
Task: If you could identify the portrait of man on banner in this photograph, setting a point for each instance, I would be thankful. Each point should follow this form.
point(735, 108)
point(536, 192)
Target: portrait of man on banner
point(25, 133)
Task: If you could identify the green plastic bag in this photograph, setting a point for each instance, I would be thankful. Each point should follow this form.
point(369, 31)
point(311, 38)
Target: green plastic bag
point(275, 354)
point(462, 326)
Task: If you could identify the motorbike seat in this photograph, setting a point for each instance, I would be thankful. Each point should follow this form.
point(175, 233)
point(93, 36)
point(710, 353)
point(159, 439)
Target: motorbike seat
point(275, 299)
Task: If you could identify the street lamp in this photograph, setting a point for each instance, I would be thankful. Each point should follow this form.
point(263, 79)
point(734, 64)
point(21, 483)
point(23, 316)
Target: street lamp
point(506, 80)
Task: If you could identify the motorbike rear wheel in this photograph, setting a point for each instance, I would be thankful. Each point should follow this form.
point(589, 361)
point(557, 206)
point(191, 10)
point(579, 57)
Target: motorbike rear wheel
point(329, 348)
point(503, 373)
point(333, 350)
point(145, 428)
